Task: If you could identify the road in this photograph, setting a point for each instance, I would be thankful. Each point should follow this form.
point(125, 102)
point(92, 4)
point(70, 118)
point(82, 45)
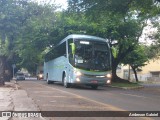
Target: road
point(54, 97)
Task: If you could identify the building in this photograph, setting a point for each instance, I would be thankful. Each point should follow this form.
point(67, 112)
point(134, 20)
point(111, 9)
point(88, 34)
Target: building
point(150, 72)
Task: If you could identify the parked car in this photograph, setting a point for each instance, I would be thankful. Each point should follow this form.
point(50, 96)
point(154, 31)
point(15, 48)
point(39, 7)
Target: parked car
point(20, 76)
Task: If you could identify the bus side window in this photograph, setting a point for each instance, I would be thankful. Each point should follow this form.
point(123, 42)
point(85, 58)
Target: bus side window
point(56, 52)
point(61, 50)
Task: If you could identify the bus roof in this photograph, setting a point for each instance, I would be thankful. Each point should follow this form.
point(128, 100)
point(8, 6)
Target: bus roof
point(89, 37)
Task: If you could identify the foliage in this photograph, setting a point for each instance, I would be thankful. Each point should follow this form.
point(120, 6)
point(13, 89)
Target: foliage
point(24, 31)
point(136, 59)
point(35, 35)
point(10, 17)
point(155, 46)
point(122, 21)
point(9, 22)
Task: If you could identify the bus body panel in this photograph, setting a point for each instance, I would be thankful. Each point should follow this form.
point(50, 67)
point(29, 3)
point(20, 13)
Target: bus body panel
point(55, 68)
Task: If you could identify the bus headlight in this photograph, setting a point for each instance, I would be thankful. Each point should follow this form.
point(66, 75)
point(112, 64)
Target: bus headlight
point(78, 80)
point(78, 73)
point(108, 75)
point(108, 82)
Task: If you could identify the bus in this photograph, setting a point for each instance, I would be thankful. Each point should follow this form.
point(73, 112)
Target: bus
point(80, 60)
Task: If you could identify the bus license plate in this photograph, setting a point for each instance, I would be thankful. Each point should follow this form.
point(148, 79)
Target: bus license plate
point(94, 81)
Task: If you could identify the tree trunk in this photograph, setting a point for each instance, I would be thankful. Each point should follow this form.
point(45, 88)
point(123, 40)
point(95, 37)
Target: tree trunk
point(115, 78)
point(2, 70)
point(114, 68)
point(135, 73)
point(115, 61)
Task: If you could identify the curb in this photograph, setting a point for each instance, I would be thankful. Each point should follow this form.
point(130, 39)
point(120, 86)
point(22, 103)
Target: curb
point(127, 88)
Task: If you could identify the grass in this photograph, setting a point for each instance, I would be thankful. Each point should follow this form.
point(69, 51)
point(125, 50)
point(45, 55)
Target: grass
point(129, 85)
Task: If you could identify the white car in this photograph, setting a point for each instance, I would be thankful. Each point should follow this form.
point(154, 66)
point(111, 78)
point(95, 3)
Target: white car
point(20, 76)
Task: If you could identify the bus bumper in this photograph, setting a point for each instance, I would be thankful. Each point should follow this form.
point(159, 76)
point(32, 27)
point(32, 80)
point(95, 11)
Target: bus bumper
point(92, 81)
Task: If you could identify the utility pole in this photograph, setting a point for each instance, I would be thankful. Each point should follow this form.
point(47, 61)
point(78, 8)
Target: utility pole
point(129, 73)
point(13, 66)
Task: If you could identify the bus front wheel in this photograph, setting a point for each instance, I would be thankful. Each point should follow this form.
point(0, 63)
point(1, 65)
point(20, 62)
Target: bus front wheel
point(48, 81)
point(65, 83)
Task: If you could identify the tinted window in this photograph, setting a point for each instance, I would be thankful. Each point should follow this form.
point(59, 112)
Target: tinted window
point(58, 51)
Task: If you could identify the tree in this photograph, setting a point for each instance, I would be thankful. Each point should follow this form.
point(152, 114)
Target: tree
point(136, 59)
point(24, 26)
point(121, 20)
point(35, 35)
point(9, 30)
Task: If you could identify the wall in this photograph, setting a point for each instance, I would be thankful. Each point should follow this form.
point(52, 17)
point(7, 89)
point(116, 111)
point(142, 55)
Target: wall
point(145, 74)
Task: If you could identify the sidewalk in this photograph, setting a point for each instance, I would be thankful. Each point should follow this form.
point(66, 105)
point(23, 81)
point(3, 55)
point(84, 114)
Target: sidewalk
point(12, 98)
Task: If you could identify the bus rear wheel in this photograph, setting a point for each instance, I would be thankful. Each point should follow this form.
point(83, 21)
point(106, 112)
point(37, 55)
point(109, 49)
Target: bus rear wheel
point(65, 83)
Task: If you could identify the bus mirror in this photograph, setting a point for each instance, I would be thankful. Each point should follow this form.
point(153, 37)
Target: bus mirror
point(73, 48)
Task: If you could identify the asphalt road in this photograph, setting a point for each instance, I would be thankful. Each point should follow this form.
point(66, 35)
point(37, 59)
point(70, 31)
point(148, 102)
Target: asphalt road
point(55, 97)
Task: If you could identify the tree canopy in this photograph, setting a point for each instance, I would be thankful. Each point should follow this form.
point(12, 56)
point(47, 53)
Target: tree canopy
point(122, 21)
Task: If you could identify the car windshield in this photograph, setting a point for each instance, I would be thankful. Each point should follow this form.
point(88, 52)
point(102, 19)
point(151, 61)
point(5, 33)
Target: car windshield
point(92, 55)
point(20, 74)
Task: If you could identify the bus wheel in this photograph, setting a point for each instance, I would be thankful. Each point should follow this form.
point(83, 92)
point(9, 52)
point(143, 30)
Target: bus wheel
point(94, 86)
point(48, 81)
point(65, 84)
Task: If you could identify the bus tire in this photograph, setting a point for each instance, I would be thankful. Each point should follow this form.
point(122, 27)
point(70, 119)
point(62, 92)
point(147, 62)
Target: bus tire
point(48, 81)
point(65, 83)
point(94, 87)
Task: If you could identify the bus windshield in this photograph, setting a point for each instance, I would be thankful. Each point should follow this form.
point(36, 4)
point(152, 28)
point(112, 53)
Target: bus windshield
point(91, 55)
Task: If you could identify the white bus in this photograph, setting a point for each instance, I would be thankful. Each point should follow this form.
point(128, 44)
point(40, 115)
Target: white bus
point(79, 59)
